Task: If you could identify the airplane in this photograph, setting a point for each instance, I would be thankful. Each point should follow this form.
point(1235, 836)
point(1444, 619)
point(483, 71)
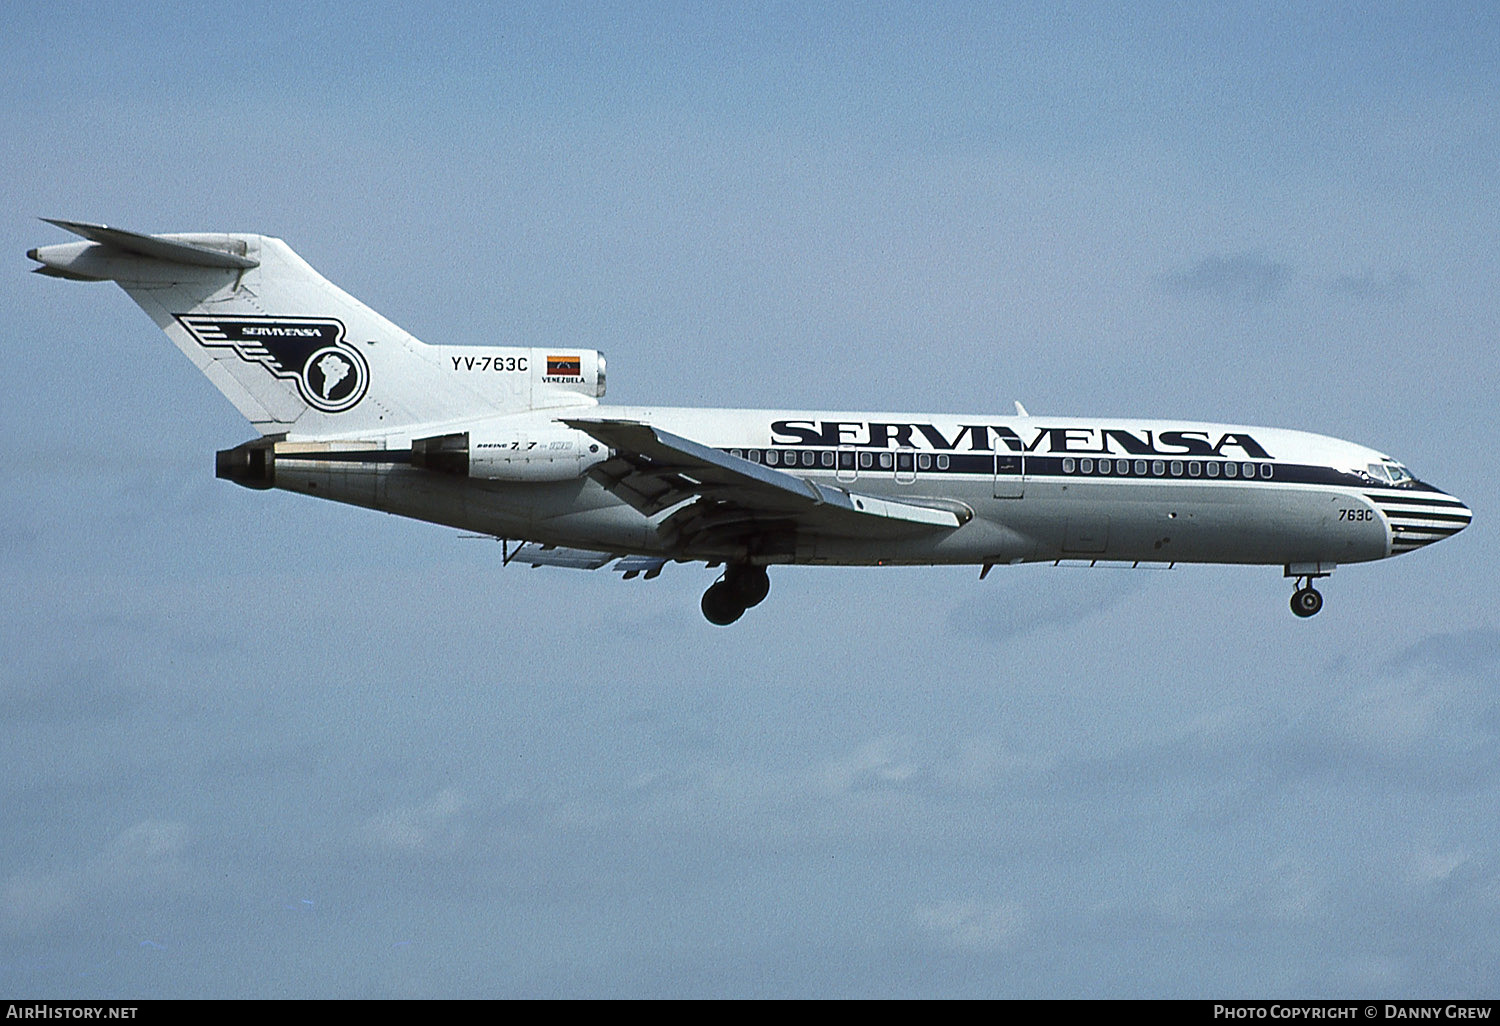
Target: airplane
point(513, 443)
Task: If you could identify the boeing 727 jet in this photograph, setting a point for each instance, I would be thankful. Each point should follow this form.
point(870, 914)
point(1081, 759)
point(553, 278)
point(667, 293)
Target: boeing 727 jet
point(513, 443)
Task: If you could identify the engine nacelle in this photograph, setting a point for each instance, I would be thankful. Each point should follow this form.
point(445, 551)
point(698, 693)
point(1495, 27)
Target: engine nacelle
point(546, 452)
point(252, 464)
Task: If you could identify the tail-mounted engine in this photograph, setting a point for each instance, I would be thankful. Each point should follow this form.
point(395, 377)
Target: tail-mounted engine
point(252, 464)
point(540, 451)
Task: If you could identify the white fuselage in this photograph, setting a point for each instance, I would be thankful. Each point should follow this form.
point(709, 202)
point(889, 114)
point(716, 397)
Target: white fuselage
point(1038, 488)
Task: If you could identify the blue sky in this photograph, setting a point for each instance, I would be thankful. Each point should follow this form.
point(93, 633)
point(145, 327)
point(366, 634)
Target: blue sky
point(262, 746)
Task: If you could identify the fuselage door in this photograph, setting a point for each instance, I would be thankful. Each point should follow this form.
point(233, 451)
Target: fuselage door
point(906, 466)
point(1010, 477)
point(846, 457)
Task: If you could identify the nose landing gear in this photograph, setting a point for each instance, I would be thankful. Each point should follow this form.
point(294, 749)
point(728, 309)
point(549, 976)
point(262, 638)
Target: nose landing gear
point(741, 587)
point(1306, 600)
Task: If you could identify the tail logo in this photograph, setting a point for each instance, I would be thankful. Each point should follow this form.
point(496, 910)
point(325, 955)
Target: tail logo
point(331, 375)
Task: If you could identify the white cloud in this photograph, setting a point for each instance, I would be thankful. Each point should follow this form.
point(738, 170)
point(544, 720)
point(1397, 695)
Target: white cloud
point(1430, 866)
point(972, 926)
point(143, 859)
point(883, 762)
point(435, 827)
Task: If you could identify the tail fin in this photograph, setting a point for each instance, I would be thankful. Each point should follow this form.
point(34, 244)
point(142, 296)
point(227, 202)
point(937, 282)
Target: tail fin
point(296, 354)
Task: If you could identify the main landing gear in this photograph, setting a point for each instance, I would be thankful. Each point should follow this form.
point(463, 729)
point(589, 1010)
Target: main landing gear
point(741, 587)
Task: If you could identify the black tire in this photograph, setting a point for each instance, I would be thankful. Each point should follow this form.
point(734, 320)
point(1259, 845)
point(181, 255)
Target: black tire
point(1306, 602)
point(751, 584)
point(720, 606)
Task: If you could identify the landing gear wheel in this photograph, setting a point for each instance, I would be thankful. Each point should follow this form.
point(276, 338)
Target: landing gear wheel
point(1306, 601)
point(721, 606)
point(750, 584)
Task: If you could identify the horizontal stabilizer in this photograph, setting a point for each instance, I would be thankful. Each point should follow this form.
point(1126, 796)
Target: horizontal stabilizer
point(60, 272)
point(162, 247)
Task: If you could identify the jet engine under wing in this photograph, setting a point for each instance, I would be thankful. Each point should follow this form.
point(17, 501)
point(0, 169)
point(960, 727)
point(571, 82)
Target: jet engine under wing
point(654, 470)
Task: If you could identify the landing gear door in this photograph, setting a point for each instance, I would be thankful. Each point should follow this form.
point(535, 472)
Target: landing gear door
point(1010, 477)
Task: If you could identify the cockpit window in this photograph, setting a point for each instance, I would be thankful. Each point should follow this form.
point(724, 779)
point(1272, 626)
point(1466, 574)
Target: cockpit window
point(1392, 473)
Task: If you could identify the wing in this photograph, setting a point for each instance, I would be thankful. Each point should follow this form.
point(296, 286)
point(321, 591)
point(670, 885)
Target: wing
point(726, 501)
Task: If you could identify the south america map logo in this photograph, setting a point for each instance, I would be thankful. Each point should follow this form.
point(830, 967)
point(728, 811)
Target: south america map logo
point(331, 375)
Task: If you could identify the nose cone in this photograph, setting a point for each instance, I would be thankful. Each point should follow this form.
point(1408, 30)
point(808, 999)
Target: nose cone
point(1422, 516)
